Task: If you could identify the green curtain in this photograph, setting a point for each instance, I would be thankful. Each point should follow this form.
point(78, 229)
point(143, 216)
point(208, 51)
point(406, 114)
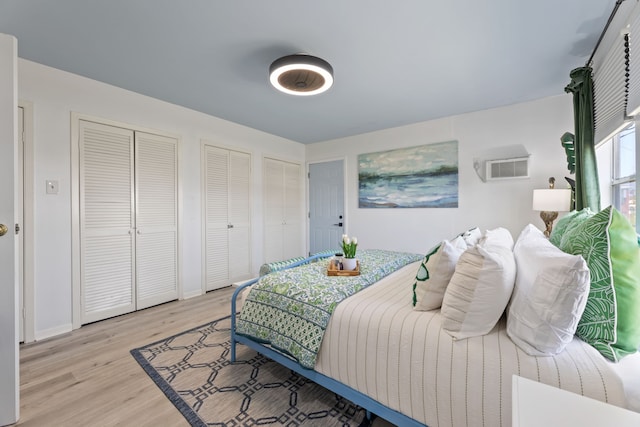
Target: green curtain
point(587, 186)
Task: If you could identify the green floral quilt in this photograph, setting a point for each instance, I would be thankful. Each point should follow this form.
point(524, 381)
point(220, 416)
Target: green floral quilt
point(290, 309)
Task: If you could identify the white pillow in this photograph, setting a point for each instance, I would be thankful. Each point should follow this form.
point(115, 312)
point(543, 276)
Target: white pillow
point(479, 289)
point(549, 297)
point(471, 236)
point(434, 274)
point(498, 236)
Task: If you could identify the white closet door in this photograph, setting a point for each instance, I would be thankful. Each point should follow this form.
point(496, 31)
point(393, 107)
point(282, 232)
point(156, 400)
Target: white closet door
point(217, 221)
point(283, 210)
point(228, 222)
point(239, 216)
point(106, 221)
point(273, 210)
point(156, 219)
point(293, 212)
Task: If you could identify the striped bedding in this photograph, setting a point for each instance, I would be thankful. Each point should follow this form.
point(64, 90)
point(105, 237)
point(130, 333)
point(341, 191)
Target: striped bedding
point(377, 344)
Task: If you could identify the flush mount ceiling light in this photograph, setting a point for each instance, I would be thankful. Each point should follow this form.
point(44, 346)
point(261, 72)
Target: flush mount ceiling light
point(301, 75)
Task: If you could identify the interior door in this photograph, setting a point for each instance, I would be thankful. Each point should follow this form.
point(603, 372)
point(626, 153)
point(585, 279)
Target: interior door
point(293, 212)
point(106, 221)
point(273, 185)
point(239, 216)
point(326, 205)
point(20, 219)
point(228, 216)
point(9, 358)
point(156, 213)
point(217, 222)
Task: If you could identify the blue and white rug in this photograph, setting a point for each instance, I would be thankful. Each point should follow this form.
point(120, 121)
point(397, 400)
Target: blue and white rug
point(194, 372)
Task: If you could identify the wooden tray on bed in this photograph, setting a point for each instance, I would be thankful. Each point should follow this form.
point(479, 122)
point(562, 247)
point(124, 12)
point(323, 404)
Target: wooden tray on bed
point(332, 271)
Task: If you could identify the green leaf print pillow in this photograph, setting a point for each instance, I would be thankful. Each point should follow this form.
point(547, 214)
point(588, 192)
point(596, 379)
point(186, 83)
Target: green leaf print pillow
point(566, 223)
point(611, 319)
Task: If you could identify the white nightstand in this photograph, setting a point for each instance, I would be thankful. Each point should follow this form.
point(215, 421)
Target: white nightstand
point(537, 404)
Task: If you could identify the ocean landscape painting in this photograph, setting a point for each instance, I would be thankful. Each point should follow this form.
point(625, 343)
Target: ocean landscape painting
point(416, 177)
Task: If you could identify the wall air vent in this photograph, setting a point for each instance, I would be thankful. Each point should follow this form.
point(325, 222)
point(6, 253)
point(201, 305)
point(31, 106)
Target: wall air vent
point(506, 162)
point(508, 168)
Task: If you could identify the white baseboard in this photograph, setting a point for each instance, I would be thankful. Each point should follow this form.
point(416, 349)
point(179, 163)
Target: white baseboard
point(52, 332)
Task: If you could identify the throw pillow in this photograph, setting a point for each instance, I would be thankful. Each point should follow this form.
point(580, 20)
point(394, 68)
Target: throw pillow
point(611, 319)
point(471, 237)
point(498, 236)
point(568, 222)
point(434, 274)
point(560, 227)
point(479, 290)
point(549, 297)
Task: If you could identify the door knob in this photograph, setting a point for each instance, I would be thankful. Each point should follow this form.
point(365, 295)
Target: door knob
point(338, 224)
point(3, 229)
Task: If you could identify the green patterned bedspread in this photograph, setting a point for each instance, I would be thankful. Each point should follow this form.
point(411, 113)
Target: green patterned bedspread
point(290, 309)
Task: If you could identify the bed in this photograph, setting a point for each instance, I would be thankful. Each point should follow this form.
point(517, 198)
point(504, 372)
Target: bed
point(400, 364)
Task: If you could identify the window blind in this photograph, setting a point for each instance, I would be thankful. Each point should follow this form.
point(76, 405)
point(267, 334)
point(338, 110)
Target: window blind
point(633, 105)
point(610, 80)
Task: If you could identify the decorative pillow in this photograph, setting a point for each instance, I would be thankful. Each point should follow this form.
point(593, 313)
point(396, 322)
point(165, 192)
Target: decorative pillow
point(549, 296)
point(435, 272)
point(479, 290)
point(498, 236)
point(567, 222)
point(471, 237)
point(611, 319)
point(560, 227)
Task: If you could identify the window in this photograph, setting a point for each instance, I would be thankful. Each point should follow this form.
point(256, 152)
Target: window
point(617, 169)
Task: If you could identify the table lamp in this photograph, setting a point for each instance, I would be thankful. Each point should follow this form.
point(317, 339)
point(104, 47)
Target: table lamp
point(549, 202)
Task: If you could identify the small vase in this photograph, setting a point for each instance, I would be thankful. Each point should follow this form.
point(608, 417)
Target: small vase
point(349, 263)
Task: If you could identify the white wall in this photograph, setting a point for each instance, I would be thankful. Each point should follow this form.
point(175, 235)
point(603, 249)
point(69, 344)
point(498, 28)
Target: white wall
point(537, 125)
point(55, 95)
point(9, 372)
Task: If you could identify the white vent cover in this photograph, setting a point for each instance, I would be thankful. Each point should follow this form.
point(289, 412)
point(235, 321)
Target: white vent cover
point(506, 162)
point(508, 168)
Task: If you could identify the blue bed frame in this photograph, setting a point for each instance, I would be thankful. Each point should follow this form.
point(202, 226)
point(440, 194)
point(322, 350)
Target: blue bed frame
point(360, 399)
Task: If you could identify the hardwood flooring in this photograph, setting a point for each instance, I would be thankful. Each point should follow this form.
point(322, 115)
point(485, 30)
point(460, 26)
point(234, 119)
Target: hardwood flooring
point(88, 377)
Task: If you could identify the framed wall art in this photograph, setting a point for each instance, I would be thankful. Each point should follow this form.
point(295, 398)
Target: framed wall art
point(416, 177)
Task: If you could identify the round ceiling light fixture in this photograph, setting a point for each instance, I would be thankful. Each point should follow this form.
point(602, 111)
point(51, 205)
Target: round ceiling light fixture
point(301, 74)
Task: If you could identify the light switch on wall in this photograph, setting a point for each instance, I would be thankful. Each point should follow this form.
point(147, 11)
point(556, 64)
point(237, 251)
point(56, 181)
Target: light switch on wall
point(52, 186)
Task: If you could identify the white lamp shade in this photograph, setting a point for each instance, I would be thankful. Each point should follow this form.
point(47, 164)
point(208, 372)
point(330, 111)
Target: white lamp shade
point(552, 200)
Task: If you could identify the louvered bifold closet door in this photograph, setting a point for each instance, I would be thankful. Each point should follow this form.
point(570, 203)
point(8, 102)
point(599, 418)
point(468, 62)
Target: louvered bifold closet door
point(156, 219)
point(217, 220)
point(293, 212)
point(273, 210)
point(239, 216)
point(106, 221)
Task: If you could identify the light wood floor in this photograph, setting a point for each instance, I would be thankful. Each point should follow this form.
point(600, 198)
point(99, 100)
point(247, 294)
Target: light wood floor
point(88, 377)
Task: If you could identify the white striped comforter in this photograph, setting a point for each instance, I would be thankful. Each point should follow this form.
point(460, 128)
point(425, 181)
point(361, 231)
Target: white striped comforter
point(377, 344)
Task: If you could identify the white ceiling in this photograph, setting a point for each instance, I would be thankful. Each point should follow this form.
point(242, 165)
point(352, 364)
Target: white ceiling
point(395, 62)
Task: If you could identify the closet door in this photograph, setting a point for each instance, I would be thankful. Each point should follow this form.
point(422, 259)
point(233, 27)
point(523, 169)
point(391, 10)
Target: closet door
point(216, 211)
point(106, 221)
point(227, 212)
point(293, 212)
point(283, 210)
point(273, 210)
point(239, 216)
point(156, 219)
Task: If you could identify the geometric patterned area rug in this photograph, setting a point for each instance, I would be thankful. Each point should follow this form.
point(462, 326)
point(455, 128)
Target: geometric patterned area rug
point(193, 370)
